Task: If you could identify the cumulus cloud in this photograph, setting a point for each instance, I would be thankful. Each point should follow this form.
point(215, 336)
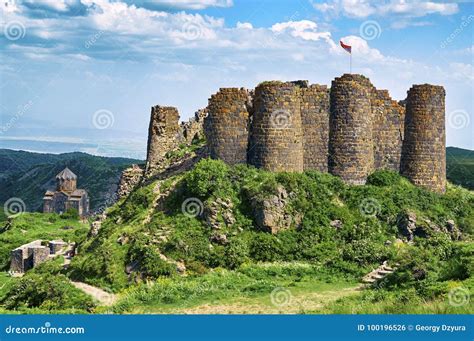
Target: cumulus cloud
point(304, 29)
point(366, 8)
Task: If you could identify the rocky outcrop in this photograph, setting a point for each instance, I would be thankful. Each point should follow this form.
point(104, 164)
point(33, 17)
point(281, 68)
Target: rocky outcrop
point(409, 227)
point(218, 214)
point(270, 214)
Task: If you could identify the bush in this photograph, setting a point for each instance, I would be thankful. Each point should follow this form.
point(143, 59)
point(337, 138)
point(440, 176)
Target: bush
point(265, 247)
point(70, 214)
point(207, 177)
point(147, 258)
point(383, 178)
point(236, 253)
point(47, 292)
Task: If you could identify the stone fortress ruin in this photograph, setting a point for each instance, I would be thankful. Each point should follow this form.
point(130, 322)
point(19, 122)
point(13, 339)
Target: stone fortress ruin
point(349, 130)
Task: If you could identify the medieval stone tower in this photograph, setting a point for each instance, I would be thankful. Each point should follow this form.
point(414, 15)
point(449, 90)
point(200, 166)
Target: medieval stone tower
point(424, 154)
point(349, 130)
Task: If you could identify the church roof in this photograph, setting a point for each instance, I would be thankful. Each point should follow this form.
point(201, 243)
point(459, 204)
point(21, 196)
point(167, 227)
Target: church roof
point(66, 174)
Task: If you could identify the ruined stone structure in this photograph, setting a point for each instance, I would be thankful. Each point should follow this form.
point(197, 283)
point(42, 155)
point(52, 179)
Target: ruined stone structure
point(193, 129)
point(349, 130)
point(66, 196)
point(424, 152)
point(163, 134)
point(129, 179)
point(33, 254)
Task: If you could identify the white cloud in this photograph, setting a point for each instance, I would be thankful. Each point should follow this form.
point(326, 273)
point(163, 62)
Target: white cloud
point(244, 25)
point(305, 29)
point(366, 8)
point(461, 71)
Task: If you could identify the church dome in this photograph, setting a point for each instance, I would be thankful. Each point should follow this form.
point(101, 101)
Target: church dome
point(66, 174)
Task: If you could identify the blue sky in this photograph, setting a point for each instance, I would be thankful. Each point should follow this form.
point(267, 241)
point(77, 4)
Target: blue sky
point(88, 71)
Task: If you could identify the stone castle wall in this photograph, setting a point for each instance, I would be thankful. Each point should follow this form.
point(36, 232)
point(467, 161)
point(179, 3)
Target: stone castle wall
point(276, 141)
point(388, 131)
point(315, 120)
point(351, 154)
point(349, 130)
point(227, 125)
point(424, 151)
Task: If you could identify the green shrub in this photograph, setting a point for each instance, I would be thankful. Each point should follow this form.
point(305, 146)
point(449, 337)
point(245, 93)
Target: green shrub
point(236, 253)
point(207, 177)
point(265, 247)
point(146, 257)
point(71, 213)
point(46, 292)
point(383, 178)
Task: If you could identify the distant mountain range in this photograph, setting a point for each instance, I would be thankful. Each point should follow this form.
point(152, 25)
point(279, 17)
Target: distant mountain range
point(27, 175)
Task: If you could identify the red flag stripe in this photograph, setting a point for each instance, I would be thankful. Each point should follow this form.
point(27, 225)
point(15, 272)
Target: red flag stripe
point(348, 48)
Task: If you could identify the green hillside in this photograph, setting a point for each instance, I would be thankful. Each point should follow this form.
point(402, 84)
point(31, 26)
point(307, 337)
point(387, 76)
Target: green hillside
point(460, 166)
point(195, 242)
point(28, 175)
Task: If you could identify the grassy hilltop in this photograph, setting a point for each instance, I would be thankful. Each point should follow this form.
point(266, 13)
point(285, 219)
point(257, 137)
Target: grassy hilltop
point(159, 255)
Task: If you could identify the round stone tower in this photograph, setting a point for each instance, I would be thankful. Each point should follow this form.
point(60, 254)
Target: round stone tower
point(276, 142)
point(226, 126)
point(424, 146)
point(351, 152)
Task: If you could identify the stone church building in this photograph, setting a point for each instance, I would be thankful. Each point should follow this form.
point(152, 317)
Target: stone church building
point(66, 195)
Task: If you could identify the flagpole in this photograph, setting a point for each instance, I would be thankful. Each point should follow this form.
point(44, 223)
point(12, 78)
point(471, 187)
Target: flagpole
point(350, 69)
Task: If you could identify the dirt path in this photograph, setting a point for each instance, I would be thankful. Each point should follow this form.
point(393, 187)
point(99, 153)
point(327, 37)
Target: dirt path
point(100, 295)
